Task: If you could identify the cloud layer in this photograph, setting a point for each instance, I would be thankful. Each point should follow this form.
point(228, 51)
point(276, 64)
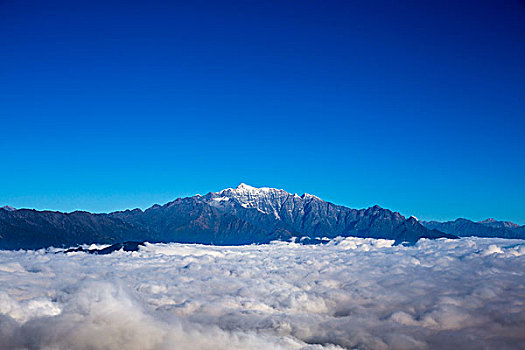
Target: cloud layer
point(349, 293)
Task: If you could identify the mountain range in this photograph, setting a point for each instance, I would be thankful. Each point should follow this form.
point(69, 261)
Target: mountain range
point(242, 215)
point(486, 228)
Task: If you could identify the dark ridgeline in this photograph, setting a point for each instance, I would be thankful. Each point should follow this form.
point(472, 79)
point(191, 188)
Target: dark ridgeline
point(243, 215)
point(486, 228)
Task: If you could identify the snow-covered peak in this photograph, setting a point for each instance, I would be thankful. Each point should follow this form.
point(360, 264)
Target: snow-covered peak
point(249, 190)
point(247, 193)
point(8, 208)
point(245, 187)
point(264, 199)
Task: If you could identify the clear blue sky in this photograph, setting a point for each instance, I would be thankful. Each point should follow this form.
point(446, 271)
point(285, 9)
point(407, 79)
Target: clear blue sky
point(418, 106)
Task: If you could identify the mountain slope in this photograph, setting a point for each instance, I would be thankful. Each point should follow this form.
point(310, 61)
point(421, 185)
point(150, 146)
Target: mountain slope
point(191, 220)
point(31, 229)
point(243, 215)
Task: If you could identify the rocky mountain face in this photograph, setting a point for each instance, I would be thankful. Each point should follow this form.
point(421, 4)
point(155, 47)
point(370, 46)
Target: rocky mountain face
point(285, 215)
point(486, 228)
point(242, 215)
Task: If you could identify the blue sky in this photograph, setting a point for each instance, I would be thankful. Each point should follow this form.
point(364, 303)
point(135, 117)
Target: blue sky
point(417, 106)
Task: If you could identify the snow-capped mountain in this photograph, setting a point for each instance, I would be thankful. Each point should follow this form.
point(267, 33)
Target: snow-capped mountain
point(269, 201)
point(7, 208)
point(266, 200)
point(241, 215)
point(307, 215)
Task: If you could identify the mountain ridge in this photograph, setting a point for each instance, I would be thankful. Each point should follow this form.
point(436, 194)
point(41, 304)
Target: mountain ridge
point(486, 228)
point(242, 215)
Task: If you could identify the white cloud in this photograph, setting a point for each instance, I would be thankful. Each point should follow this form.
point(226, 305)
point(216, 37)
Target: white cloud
point(349, 293)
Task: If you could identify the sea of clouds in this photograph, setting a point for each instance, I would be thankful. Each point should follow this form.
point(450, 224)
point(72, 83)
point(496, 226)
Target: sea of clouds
point(350, 293)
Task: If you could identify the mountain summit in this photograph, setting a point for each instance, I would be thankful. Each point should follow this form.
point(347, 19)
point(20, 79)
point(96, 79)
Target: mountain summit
point(265, 199)
point(242, 215)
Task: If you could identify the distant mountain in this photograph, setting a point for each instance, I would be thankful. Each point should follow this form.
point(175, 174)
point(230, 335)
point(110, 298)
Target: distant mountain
point(8, 208)
point(285, 215)
point(31, 229)
point(242, 215)
point(486, 228)
point(495, 223)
